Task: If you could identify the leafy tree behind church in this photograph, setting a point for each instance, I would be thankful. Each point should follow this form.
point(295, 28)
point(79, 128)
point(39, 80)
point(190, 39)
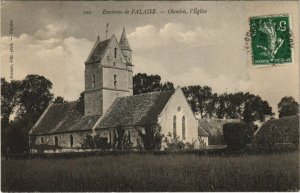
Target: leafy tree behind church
point(26, 100)
point(59, 99)
point(288, 107)
point(143, 83)
point(9, 100)
point(203, 100)
point(245, 106)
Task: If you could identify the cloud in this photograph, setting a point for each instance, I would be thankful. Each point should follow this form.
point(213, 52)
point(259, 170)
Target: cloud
point(49, 53)
point(150, 36)
point(51, 31)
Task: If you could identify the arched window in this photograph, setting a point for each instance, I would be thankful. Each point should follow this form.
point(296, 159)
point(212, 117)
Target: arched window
point(56, 141)
point(42, 140)
point(174, 126)
point(183, 127)
point(71, 140)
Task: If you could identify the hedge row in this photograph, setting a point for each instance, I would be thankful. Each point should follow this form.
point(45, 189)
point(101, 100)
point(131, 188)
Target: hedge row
point(202, 152)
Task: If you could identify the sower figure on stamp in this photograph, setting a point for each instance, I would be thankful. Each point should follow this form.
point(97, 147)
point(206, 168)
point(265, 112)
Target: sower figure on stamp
point(274, 42)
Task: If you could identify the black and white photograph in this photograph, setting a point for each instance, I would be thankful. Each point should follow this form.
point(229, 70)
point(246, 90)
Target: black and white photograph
point(150, 96)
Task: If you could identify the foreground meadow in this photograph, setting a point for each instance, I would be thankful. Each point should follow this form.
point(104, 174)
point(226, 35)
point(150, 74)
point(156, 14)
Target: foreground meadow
point(275, 172)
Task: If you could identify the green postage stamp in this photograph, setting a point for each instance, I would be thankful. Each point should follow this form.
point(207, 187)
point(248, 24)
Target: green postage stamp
point(271, 40)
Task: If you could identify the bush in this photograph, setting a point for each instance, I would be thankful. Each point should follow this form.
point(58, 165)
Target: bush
point(151, 137)
point(95, 142)
point(122, 140)
point(13, 140)
point(42, 147)
point(237, 135)
point(189, 145)
point(175, 144)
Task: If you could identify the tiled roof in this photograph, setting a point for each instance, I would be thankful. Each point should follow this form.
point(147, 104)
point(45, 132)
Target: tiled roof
point(213, 126)
point(135, 110)
point(277, 130)
point(98, 51)
point(64, 117)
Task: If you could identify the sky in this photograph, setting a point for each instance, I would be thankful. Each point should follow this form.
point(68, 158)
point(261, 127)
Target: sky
point(54, 39)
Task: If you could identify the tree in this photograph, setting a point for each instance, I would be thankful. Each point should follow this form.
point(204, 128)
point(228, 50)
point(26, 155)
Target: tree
point(288, 107)
point(167, 86)
point(247, 106)
point(211, 106)
point(255, 108)
point(34, 98)
point(80, 104)
point(29, 97)
point(11, 138)
point(9, 100)
point(143, 83)
point(201, 99)
point(59, 99)
point(234, 105)
point(221, 107)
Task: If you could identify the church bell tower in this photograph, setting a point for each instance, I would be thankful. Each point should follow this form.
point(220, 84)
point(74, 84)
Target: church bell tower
point(108, 74)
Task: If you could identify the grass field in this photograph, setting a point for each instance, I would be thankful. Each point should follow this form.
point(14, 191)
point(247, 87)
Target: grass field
point(275, 172)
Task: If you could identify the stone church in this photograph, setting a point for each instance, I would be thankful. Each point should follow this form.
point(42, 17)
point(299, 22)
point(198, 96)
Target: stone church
point(109, 102)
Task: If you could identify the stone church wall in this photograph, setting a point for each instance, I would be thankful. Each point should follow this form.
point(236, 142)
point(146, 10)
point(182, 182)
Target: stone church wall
point(63, 139)
point(177, 106)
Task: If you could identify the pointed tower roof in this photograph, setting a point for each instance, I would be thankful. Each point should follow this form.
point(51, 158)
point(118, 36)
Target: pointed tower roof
point(124, 44)
point(98, 50)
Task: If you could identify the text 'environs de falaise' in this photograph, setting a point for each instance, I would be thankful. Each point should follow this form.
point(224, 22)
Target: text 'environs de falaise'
point(155, 11)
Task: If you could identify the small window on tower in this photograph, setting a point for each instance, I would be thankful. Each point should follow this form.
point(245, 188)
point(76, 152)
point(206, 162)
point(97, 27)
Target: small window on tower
point(94, 81)
point(115, 80)
point(116, 49)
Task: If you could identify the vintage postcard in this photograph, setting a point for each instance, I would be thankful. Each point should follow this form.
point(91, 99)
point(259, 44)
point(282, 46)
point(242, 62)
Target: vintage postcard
point(146, 96)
